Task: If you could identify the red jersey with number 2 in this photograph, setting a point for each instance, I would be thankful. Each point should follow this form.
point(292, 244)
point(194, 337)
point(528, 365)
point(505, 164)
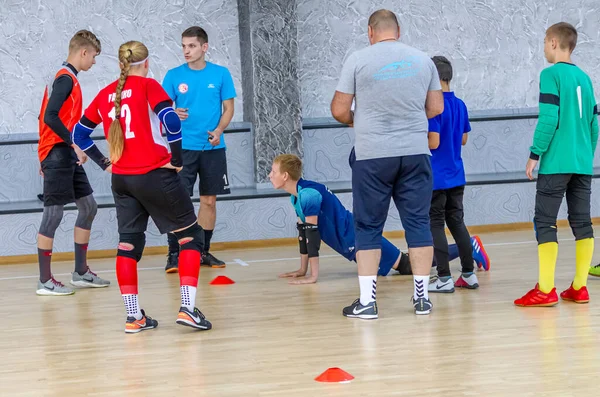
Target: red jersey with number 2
point(145, 148)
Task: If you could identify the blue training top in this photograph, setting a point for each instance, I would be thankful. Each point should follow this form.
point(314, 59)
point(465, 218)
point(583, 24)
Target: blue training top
point(446, 160)
point(202, 92)
point(336, 224)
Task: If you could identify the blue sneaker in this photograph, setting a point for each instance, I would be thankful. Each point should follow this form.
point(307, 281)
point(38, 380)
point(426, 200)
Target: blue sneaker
point(479, 255)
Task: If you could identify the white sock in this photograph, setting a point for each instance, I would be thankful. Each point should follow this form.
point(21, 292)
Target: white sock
point(132, 306)
point(188, 297)
point(421, 285)
point(368, 289)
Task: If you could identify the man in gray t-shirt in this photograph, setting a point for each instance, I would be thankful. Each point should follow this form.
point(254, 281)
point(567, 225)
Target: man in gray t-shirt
point(396, 89)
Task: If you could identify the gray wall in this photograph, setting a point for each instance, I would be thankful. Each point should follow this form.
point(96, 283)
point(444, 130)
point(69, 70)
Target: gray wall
point(496, 46)
point(34, 38)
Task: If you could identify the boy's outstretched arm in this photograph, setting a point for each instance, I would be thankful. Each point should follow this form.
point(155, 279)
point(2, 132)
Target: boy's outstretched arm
point(309, 252)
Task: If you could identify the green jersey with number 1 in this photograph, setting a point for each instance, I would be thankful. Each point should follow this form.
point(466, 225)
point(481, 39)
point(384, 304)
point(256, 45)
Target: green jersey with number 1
point(567, 130)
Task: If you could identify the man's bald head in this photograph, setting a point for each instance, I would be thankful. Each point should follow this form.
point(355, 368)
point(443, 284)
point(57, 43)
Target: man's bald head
point(383, 21)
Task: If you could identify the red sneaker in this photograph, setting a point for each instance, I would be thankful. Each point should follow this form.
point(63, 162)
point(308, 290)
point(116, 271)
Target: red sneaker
point(536, 298)
point(580, 295)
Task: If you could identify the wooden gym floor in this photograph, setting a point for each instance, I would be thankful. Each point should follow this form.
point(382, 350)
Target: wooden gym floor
point(272, 339)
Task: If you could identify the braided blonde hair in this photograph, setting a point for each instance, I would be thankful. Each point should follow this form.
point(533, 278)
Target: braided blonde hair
point(130, 52)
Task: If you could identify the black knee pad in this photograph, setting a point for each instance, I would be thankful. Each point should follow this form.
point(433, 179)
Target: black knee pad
point(545, 232)
point(194, 234)
point(582, 230)
point(87, 208)
point(137, 240)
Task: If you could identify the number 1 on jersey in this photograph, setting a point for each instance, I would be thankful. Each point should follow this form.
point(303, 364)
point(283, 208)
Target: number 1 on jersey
point(579, 99)
point(126, 114)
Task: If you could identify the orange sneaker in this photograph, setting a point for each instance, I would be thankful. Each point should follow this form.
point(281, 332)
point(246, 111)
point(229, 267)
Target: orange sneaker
point(536, 298)
point(133, 326)
point(580, 295)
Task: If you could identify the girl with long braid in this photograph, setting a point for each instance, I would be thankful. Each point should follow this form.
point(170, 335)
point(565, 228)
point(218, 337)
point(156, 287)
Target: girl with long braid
point(144, 180)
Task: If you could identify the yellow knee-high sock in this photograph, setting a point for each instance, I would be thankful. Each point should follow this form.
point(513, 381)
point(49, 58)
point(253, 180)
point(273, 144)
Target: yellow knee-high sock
point(584, 249)
point(547, 254)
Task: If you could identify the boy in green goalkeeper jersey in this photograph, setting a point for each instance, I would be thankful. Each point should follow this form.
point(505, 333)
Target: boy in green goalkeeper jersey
point(564, 144)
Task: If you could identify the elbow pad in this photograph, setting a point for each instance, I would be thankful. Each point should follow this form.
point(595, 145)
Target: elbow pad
point(302, 239)
point(172, 124)
point(313, 240)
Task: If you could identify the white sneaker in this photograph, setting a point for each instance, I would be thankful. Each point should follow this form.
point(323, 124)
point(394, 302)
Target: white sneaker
point(467, 280)
point(444, 285)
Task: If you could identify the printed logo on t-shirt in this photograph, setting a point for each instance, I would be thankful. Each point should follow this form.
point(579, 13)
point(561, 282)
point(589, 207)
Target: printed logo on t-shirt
point(183, 88)
point(211, 86)
point(399, 70)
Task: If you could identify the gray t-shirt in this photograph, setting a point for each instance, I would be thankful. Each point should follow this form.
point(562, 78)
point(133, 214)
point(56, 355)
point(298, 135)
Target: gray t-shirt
point(390, 81)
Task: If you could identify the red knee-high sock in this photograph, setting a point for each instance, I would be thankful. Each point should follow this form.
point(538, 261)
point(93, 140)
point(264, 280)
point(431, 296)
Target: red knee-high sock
point(189, 269)
point(127, 275)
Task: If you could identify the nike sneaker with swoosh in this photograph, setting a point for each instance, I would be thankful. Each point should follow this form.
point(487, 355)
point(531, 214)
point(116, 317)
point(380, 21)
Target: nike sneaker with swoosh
point(442, 285)
point(133, 326)
point(193, 319)
point(356, 310)
point(88, 280)
point(53, 287)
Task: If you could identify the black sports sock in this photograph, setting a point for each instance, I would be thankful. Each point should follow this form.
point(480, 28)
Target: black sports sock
point(173, 243)
point(81, 266)
point(207, 236)
point(44, 259)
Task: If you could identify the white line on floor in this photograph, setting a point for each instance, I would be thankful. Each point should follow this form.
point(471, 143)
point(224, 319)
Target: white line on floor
point(247, 263)
point(241, 262)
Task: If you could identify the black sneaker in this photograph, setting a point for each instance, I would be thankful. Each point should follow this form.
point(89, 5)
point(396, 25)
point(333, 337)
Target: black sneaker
point(172, 262)
point(404, 268)
point(422, 305)
point(133, 326)
point(209, 260)
point(356, 310)
point(193, 319)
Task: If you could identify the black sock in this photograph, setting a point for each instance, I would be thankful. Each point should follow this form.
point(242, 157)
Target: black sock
point(173, 243)
point(207, 236)
point(44, 259)
point(81, 266)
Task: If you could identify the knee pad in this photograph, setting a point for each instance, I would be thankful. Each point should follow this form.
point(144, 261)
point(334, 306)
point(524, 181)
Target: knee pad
point(88, 209)
point(582, 230)
point(191, 238)
point(136, 240)
point(51, 220)
point(545, 232)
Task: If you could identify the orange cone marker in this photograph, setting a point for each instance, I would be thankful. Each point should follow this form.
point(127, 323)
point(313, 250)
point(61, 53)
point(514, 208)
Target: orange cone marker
point(336, 375)
point(222, 280)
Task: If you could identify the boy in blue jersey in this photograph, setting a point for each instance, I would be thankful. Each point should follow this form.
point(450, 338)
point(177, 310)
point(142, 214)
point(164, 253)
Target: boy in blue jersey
point(321, 215)
point(447, 134)
point(316, 205)
point(203, 93)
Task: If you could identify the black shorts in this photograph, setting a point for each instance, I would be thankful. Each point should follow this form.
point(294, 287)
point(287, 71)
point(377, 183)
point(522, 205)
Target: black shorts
point(64, 180)
point(210, 166)
point(158, 194)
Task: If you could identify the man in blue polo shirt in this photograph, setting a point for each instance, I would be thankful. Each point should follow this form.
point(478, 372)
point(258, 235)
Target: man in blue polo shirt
point(448, 132)
point(203, 93)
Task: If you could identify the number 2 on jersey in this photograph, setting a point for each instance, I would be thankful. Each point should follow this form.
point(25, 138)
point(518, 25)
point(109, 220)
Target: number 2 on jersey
point(126, 114)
